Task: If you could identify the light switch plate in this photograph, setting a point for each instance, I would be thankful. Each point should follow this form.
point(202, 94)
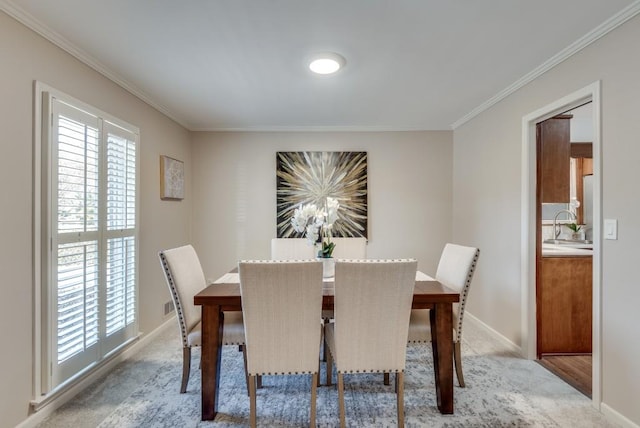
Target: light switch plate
point(610, 228)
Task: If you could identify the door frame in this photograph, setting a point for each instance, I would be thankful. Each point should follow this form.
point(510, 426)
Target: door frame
point(528, 226)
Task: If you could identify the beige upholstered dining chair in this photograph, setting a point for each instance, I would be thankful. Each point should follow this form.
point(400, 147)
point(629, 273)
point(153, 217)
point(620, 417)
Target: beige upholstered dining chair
point(350, 248)
point(455, 270)
point(299, 248)
point(185, 279)
point(347, 248)
point(281, 305)
point(372, 305)
point(291, 249)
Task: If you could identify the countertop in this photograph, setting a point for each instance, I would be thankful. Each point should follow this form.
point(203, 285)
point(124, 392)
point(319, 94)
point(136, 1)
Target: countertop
point(552, 250)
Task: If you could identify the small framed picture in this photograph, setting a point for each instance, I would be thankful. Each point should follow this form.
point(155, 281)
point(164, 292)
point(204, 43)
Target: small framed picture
point(171, 179)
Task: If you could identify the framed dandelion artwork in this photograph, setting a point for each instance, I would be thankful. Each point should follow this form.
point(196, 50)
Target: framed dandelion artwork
point(171, 179)
point(311, 177)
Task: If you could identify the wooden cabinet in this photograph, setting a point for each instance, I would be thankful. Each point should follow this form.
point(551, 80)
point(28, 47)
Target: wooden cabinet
point(587, 166)
point(581, 150)
point(554, 151)
point(564, 305)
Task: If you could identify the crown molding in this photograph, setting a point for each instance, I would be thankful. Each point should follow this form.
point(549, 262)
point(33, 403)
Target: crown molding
point(612, 23)
point(321, 129)
point(32, 23)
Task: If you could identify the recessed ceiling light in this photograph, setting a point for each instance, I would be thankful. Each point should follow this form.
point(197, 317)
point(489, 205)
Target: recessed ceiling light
point(326, 63)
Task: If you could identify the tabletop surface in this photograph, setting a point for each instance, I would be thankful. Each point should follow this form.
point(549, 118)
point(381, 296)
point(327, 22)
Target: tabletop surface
point(226, 290)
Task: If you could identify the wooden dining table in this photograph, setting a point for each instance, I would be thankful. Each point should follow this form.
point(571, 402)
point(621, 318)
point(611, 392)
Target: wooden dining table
point(224, 295)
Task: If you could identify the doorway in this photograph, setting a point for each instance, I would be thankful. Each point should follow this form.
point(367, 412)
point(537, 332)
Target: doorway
point(564, 246)
point(529, 235)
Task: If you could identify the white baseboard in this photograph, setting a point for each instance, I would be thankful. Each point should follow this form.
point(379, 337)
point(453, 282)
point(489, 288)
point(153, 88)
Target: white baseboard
point(470, 318)
point(50, 405)
point(616, 417)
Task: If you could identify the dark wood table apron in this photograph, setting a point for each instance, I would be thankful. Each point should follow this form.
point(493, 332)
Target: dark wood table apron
point(217, 298)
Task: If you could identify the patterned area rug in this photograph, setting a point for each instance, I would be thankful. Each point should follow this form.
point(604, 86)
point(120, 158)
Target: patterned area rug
point(502, 390)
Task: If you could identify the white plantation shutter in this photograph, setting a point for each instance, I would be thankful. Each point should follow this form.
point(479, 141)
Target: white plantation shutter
point(121, 181)
point(77, 294)
point(75, 176)
point(93, 259)
point(120, 283)
point(120, 229)
point(77, 164)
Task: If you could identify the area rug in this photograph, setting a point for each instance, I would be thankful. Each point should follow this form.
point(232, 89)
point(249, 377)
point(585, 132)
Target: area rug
point(502, 390)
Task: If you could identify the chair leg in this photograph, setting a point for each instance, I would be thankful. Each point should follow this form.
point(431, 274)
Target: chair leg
point(247, 378)
point(317, 375)
point(400, 397)
point(341, 399)
point(324, 348)
point(386, 378)
point(457, 358)
point(186, 368)
point(329, 373)
point(314, 389)
point(252, 401)
point(246, 375)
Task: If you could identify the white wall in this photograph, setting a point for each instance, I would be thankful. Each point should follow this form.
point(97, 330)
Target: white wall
point(486, 207)
point(234, 192)
point(26, 57)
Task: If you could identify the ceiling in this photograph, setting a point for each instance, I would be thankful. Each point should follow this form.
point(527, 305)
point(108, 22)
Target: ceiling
point(242, 65)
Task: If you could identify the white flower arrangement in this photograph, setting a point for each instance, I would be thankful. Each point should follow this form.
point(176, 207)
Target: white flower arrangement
point(315, 222)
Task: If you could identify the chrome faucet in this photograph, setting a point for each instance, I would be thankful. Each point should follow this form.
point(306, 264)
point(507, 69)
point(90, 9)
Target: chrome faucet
point(556, 233)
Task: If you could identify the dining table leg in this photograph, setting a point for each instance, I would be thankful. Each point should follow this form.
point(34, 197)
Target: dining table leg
point(442, 344)
point(211, 356)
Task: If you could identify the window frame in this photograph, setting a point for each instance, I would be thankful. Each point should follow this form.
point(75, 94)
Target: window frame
point(44, 251)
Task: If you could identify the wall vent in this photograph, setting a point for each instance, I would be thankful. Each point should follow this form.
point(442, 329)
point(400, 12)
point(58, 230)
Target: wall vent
point(168, 307)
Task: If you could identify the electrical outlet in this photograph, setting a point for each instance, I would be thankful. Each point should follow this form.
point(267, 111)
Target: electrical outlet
point(168, 307)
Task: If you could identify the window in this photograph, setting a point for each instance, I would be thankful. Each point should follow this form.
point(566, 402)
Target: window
point(89, 200)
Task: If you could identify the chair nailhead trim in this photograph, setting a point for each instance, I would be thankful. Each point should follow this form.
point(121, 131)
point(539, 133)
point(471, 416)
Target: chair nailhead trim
point(174, 297)
point(374, 260)
point(275, 261)
point(280, 373)
point(463, 297)
point(224, 344)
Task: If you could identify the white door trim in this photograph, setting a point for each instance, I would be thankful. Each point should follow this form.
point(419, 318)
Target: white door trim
point(528, 225)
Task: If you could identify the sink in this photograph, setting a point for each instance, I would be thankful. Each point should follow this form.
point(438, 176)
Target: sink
point(567, 244)
point(571, 242)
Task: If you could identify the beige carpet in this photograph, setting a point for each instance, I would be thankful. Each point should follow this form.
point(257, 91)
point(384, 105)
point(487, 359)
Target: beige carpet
point(502, 390)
